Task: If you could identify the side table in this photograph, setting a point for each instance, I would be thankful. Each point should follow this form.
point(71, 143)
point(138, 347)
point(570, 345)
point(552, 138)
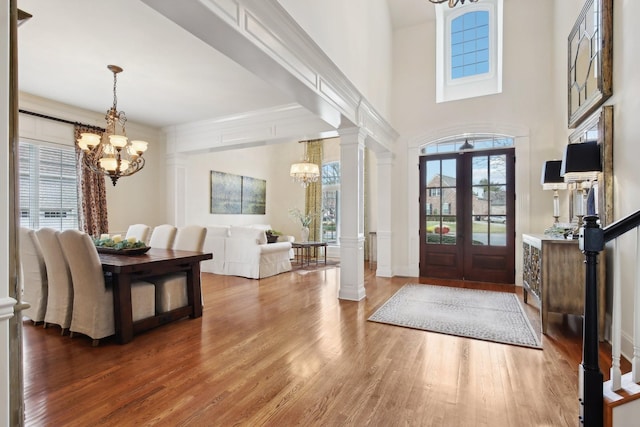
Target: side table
point(303, 251)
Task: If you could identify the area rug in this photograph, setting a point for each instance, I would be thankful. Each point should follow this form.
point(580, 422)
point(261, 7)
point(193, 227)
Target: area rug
point(471, 313)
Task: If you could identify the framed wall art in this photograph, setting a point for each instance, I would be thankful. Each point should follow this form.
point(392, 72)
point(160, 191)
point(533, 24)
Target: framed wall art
point(590, 60)
point(599, 127)
point(236, 194)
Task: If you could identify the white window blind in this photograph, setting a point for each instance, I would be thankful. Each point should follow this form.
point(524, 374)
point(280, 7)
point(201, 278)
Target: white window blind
point(48, 187)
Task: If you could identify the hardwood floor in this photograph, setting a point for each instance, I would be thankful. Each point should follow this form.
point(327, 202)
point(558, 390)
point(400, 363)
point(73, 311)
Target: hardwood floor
point(285, 351)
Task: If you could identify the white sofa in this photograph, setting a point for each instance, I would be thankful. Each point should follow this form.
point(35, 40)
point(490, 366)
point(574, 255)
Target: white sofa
point(244, 251)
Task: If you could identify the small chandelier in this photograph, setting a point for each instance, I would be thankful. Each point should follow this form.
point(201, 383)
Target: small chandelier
point(452, 3)
point(305, 172)
point(112, 154)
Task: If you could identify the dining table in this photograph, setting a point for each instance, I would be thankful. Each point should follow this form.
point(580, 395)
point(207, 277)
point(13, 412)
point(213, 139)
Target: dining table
point(125, 269)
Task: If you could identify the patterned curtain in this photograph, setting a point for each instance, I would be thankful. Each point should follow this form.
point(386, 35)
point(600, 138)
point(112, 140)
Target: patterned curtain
point(92, 196)
point(313, 195)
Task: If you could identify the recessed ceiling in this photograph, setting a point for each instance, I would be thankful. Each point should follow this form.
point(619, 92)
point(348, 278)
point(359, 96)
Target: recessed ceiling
point(170, 77)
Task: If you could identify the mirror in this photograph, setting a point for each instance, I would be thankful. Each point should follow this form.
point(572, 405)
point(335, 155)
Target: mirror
point(599, 127)
point(590, 60)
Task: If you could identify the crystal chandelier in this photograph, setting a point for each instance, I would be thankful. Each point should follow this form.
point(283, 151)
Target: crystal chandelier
point(305, 172)
point(452, 3)
point(112, 154)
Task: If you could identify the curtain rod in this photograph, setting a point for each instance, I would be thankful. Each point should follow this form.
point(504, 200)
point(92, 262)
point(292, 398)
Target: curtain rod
point(57, 119)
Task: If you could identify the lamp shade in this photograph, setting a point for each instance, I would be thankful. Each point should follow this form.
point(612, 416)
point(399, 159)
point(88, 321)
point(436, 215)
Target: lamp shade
point(551, 179)
point(581, 162)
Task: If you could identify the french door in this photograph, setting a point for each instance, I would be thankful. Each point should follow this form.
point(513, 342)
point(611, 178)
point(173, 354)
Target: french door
point(467, 215)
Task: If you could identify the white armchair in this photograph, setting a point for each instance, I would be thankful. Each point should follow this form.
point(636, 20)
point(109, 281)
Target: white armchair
point(248, 254)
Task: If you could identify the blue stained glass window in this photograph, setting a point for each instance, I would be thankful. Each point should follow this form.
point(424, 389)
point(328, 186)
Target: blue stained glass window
point(470, 44)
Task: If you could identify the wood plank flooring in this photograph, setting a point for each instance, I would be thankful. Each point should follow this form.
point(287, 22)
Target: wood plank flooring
point(285, 351)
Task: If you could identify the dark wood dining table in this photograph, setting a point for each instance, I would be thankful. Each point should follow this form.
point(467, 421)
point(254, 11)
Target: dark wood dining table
point(125, 269)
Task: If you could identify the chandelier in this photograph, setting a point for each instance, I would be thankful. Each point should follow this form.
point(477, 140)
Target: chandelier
point(305, 172)
point(452, 3)
point(112, 154)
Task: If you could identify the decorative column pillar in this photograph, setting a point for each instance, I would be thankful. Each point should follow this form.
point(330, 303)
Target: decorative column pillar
point(352, 214)
point(383, 234)
point(176, 189)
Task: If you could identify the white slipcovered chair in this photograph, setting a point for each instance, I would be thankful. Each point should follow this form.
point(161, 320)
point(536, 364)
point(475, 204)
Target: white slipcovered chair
point(33, 275)
point(163, 236)
point(141, 232)
point(171, 289)
point(93, 300)
point(60, 293)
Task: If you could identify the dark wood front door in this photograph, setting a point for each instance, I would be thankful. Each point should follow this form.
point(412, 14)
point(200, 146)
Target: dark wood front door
point(467, 216)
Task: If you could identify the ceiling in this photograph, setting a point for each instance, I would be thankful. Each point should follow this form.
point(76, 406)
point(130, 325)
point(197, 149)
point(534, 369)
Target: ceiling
point(64, 50)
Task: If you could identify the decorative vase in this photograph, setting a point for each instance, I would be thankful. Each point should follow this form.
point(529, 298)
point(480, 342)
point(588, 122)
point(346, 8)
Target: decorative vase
point(304, 234)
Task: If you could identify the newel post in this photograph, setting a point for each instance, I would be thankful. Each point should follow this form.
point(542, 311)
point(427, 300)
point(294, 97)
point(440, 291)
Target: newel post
point(590, 390)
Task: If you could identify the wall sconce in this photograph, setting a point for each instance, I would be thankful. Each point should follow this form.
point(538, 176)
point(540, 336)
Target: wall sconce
point(581, 164)
point(551, 180)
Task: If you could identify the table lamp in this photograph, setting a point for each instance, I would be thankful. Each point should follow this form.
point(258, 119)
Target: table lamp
point(581, 164)
point(551, 180)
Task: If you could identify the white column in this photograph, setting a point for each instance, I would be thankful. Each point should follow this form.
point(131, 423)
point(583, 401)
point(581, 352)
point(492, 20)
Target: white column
point(6, 303)
point(352, 214)
point(383, 234)
point(176, 189)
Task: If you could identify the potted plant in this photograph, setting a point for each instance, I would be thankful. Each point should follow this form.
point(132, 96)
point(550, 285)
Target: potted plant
point(272, 235)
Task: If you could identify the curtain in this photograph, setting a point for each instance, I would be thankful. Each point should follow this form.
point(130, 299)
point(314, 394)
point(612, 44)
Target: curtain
point(92, 195)
point(313, 194)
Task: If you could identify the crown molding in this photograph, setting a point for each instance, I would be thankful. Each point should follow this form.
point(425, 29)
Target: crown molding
point(261, 36)
point(278, 124)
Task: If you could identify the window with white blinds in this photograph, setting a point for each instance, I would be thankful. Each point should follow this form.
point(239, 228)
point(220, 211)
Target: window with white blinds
point(48, 187)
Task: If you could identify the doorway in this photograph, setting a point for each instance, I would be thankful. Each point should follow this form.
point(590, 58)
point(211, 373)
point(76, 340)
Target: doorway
point(467, 215)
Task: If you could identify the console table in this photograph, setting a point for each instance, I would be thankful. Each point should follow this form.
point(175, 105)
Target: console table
point(554, 273)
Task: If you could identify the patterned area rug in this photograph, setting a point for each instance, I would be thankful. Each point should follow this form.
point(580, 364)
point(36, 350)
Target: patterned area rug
point(483, 315)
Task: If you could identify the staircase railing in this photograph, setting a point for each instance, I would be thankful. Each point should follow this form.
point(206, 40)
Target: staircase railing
point(592, 241)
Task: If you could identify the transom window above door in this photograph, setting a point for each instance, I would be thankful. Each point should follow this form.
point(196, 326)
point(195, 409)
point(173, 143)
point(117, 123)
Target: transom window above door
point(467, 143)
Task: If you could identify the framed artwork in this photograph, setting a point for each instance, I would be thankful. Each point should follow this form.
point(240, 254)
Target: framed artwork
point(590, 58)
point(599, 127)
point(226, 193)
point(253, 195)
point(236, 194)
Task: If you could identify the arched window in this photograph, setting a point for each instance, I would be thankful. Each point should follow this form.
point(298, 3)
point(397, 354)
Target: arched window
point(467, 143)
point(468, 50)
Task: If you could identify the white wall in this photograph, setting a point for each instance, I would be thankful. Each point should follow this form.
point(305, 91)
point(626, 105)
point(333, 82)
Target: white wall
point(268, 162)
point(135, 199)
point(626, 109)
point(525, 110)
point(356, 35)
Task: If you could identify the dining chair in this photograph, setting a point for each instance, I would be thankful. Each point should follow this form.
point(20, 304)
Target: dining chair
point(60, 290)
point(171, 289)
point(163, 236)
point(93, 300)
point(140, 232)
point(33, 277)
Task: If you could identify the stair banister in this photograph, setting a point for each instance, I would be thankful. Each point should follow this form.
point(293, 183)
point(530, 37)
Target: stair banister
point(592, 241)
point(591, 244)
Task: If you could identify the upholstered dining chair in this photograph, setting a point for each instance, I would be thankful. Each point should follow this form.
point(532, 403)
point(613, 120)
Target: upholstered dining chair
point(60, 293)
point(163, 236)
point(33, 275)
point(93, 300)
point(171, 289)
point(140, 232)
